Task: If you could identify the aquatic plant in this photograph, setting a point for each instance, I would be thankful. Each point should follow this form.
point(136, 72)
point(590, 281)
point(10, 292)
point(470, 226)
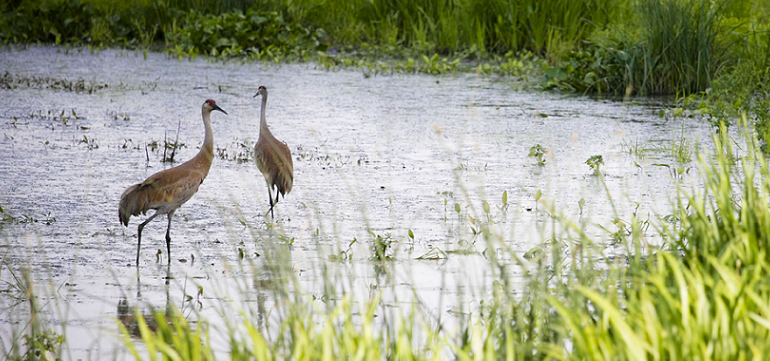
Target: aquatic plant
point(14, 81)
point(256, 34)
point(594, 162)
point(171, 145)
point(679, 149)
point(538, 152)
point(382, 247)
point(636, 148)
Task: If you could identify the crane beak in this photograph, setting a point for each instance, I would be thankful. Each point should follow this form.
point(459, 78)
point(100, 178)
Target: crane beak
point(255, 95)
point(216, 107)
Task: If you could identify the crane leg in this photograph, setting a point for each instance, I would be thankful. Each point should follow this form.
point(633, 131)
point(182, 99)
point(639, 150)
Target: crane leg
point(139, 232)
point(270, 198)
point(273, 203)
point(168, 235)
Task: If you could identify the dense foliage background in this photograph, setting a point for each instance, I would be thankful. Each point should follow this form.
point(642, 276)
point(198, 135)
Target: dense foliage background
point(622, 47)
point(713, 55)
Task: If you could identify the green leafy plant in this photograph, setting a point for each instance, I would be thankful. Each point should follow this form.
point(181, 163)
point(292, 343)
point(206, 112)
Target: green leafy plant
point(538, 152)
point(382, 247)
point(594, 162)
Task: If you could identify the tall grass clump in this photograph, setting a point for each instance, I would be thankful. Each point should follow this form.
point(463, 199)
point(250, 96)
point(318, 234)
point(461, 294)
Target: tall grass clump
point(30, 335)
point(680, 42)
point(478, 27)
point(670, 47)
point(741, 87)
point(744, 88)
point(705, 294)
point(702, 294)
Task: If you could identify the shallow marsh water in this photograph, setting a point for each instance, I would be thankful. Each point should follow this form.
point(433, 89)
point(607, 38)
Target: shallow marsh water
point(382, 154)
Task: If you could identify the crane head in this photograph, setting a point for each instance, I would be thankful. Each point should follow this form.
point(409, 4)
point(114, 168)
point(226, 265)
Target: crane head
point(210, 105)
point(261, 91)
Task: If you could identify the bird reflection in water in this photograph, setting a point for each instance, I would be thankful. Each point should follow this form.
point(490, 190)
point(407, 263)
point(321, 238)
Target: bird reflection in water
point(127, 314)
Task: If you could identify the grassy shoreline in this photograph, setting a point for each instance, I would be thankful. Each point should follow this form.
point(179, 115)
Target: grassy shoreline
point(712, 55)
point(644, 47)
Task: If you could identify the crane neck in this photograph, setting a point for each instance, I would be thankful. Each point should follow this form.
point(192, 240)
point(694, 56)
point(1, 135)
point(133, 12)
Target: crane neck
point(262, 120)
point(206, 154)
point(208, 139)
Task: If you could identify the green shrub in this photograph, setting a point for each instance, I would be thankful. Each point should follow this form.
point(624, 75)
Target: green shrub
point(254, 34)
point(48, 22)
point(678, 47)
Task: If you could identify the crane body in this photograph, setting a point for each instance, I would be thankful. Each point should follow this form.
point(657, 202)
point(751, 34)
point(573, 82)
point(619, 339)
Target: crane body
point(167, 190)
point(273, 158)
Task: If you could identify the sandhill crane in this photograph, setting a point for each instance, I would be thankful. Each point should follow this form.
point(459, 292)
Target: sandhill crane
point(166, 190)
point(273, 158)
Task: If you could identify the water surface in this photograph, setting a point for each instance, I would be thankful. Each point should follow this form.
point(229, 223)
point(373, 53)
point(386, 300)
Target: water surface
point(372, 155)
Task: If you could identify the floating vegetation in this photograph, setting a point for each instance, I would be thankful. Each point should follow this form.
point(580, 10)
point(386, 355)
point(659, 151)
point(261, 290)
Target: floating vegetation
point(538, 152)
point(434, 253)
point(46, 219)
point(156, 146)
point(636, 148)
point(90, 143)
point(118, 115)
point(13, 81)
point(382, 247)
point(326, 160)
point(6, 217)
point(595, 162)
point(171, 146)
point(344, 255)
point(239, 152)
point(64, 117)
point(242, 152)
point(523, 65)
point(679, 149)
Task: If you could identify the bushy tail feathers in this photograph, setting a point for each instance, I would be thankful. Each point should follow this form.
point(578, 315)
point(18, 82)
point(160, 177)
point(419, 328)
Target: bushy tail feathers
point(132, 202)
